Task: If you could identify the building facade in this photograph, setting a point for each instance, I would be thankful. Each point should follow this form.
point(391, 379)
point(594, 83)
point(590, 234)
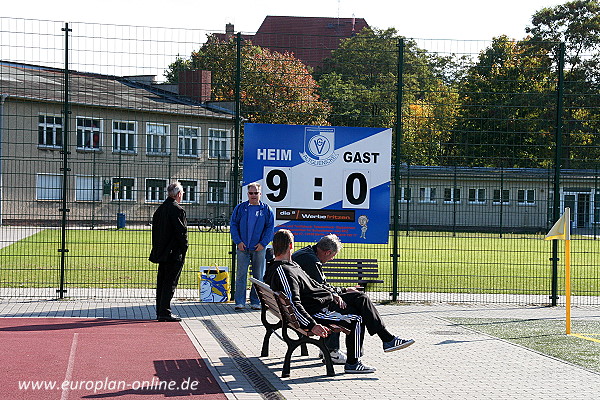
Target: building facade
point(125, 140)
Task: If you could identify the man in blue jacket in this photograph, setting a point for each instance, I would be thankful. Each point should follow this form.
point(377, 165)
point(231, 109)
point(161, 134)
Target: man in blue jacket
point(252, 224)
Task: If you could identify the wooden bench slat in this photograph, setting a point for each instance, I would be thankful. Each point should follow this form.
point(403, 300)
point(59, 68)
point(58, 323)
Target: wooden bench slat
point(338, 274)
point(331, 265)
point(355, 260)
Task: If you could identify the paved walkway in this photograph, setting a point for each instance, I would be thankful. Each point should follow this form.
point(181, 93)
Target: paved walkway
point(446, 362)
point(9, 234)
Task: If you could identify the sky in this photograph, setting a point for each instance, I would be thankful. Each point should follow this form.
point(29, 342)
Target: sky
point(426, 19)
point(142, 37)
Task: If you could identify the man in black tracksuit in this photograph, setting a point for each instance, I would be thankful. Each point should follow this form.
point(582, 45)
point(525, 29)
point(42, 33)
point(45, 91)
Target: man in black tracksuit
point(315, 304)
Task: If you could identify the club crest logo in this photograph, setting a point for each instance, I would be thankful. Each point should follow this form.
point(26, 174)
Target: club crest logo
point(319, 146)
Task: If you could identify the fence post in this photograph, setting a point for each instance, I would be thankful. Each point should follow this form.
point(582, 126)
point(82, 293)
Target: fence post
point(65, 166)
point(557, 166)
point(399, 93)
point(3, 98)
point(238, 129)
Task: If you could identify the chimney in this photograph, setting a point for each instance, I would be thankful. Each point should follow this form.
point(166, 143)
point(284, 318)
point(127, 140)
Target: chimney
point(195, 84)
point(229, 30)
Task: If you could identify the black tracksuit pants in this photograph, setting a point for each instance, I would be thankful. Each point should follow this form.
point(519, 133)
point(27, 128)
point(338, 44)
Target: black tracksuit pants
point(362, 313)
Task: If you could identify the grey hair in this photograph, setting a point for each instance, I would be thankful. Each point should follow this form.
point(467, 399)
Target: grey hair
point(255, 184)
point(174, 188)
point(330, 243)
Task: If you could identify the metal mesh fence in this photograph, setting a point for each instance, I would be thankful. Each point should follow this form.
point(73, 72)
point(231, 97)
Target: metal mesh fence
point(491, 144)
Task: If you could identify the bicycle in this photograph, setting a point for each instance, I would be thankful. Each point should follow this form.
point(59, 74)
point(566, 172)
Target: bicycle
point(219, 224)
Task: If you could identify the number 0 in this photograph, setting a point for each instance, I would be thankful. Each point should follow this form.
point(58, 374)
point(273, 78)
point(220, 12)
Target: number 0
point(362, 188)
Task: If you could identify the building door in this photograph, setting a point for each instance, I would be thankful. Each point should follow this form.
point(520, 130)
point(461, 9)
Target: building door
point(580, 208)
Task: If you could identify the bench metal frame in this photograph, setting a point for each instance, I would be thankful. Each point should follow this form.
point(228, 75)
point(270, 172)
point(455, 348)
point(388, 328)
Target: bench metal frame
point(277, 304)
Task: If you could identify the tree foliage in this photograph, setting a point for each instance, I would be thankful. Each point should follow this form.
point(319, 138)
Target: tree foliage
point(275, 87)
point(577, 25)
point(507, 108)
point(360, 81)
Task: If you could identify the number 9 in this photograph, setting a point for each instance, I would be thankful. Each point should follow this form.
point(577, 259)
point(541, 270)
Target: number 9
point(276, 181)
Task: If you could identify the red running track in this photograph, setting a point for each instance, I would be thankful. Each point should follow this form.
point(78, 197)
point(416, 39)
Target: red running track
point(100, 359)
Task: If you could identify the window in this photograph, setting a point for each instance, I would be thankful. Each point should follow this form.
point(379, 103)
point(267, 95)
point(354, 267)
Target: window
point(157, 139)
point(88, 188)
point(451, 195)
point(218, 143)
point(501, 196)
point(526, 196)
point(188, 141)
point(216, 192)
point(124, 133)
point(122, 189)
point(477, 196)
point(48, 187)
point(427, 195)
point(88, 133)
point(50, 131)
point(405, 195)
point(190, 191)
point(156, 190)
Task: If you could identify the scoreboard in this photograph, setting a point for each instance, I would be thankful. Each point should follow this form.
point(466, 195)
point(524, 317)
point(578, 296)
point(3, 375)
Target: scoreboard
point(323, 179)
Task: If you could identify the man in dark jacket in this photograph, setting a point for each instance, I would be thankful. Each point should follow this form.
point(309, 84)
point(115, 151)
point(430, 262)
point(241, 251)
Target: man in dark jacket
point(169, 245)
point(315, 304)
point(311, 259)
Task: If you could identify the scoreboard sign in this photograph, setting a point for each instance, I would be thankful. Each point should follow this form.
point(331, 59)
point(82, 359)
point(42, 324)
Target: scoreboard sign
point(323, 179)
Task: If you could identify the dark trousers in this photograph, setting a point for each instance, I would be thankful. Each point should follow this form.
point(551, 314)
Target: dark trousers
point(166, 282)
point(360, 304)
point(363, 314)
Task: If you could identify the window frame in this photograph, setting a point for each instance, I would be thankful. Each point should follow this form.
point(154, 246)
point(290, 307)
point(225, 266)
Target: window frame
point(159, 191)
point(151, 137)
point(501, 197)
point(210, 192)
point(38, 188)
point(212, 139)
point(454, 195)
point(96, 191)
point(427, 195)
point(477, 197)
point(57, 137)
point(99, 129)
point(403, 194)
point(193, 139)
point(129, 135)
point(189, 191)
point(113, 191)
point(526, 201)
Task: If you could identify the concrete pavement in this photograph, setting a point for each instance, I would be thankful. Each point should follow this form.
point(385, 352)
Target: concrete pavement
point(446, 362)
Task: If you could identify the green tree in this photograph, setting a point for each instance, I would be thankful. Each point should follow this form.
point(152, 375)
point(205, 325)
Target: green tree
point(507, 107)
point(275, 87)
point(360, 82)
point(577, 24)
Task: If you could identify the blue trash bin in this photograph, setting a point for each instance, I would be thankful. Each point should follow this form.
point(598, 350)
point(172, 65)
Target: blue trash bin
point(120, 220)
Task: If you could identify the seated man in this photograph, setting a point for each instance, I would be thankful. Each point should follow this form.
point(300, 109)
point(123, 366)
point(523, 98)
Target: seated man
point(315, 304)
point(311, 259)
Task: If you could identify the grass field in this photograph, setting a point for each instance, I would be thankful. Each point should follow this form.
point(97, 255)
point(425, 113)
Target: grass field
point(428, 261)
point(546, 336)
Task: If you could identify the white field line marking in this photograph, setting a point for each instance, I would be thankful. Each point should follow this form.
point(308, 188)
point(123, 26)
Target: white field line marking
point(70, 365)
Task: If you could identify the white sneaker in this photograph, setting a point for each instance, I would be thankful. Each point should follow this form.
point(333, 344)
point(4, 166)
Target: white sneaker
point(337, 356)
